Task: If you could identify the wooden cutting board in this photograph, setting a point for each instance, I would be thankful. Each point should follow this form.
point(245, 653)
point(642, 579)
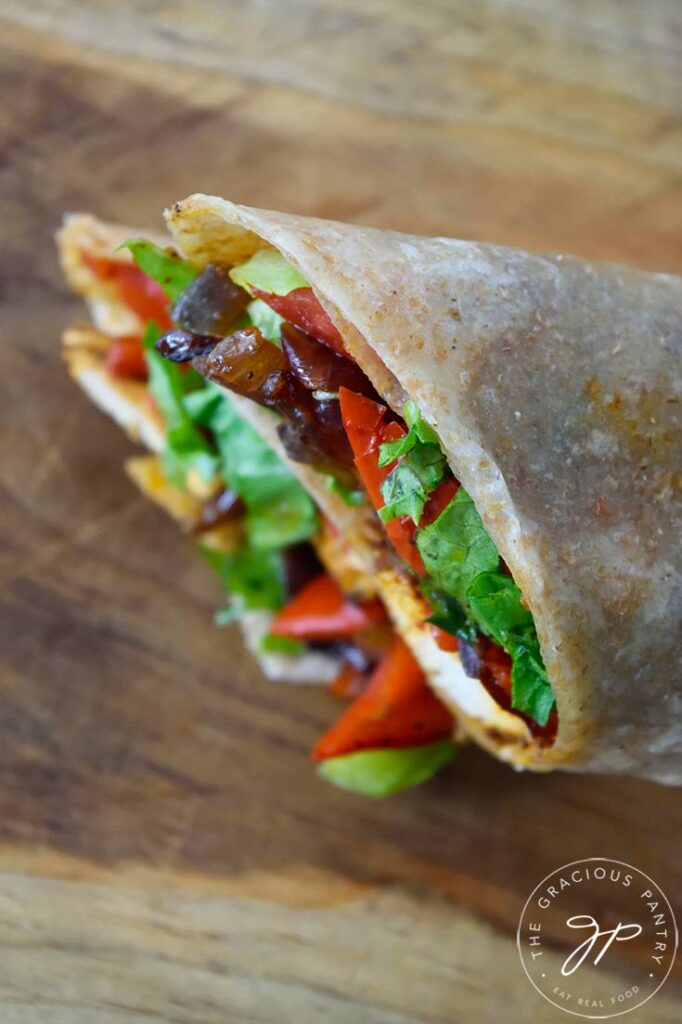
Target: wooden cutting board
point(167, 852)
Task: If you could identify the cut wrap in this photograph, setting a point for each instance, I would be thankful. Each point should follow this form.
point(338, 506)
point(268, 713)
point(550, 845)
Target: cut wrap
point(553, 385)
point(127, 402)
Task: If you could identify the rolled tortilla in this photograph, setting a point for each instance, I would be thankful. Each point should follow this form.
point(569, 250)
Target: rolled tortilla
point(554, 387)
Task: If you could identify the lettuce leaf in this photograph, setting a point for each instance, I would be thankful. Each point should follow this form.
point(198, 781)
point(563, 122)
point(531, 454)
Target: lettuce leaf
point(254, 580)
point(268, 271)
point(447, 613)
point(279, 509)
point(380, 773)
point(419, 432)
point(350, 496)
point(273, 644)
point(497, 607)
point(170, 271)
point(455, 548)
point(407, 487)
point(265, 319)
point(422, 466)
point(467, 592)
point(201, 404)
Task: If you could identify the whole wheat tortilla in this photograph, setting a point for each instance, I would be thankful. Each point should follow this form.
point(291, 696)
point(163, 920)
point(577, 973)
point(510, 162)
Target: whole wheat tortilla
point(554, 387)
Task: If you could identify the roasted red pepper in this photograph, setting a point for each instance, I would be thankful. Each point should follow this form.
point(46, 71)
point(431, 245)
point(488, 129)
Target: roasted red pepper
point(397, 709)
point(321, 611)
point(125, 358)
point(439, 500)
point(142, 295)
point(302, 309)
point(364, 423)
point(496, 669)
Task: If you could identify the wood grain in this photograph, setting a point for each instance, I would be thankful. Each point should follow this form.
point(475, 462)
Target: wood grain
point(167, 852)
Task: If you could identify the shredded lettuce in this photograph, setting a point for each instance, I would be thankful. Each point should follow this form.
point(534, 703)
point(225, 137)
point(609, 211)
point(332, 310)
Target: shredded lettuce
point(255, 578)
point(268, 271)
point(170, 271)
point(380, 773)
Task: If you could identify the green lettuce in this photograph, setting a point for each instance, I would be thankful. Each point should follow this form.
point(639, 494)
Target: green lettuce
point(254, 580)
point(419, 432)
point(447, 612)
point(349, 495)
point(467, 592)
point(380, 773)
point(265, 319)
point(268, 271)
point(456, 547)
point(497, 607)
point(408, 486)
point(170, 271)
point(186, 448)
point(422, 466)
point(279, 511)
point(273, 644)
point(202, 403)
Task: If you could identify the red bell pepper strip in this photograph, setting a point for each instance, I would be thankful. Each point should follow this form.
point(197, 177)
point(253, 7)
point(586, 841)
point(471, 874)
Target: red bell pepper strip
point(302, 308)
point(397, 709)
point(363, 421)
point(141, 294)
point(321, 611)
point(125, 359)
point(439, 500)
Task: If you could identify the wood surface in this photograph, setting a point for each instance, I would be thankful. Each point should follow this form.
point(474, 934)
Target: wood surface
point(167, 852)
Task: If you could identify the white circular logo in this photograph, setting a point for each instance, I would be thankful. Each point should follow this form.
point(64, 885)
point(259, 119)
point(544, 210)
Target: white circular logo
point(588, 925)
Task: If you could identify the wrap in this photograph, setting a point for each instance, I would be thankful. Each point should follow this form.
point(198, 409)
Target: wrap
point(553, 385)
point(126, 401)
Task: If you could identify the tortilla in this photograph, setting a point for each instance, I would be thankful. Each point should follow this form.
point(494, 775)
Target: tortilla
point(554, 387)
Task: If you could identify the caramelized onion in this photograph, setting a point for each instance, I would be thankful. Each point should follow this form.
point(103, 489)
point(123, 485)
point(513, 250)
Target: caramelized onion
point(211, 304)
point(299, 382)
point(302, 446)
point(333, 437)
point(243, 362)
point(181, 346)
point(319, 368)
